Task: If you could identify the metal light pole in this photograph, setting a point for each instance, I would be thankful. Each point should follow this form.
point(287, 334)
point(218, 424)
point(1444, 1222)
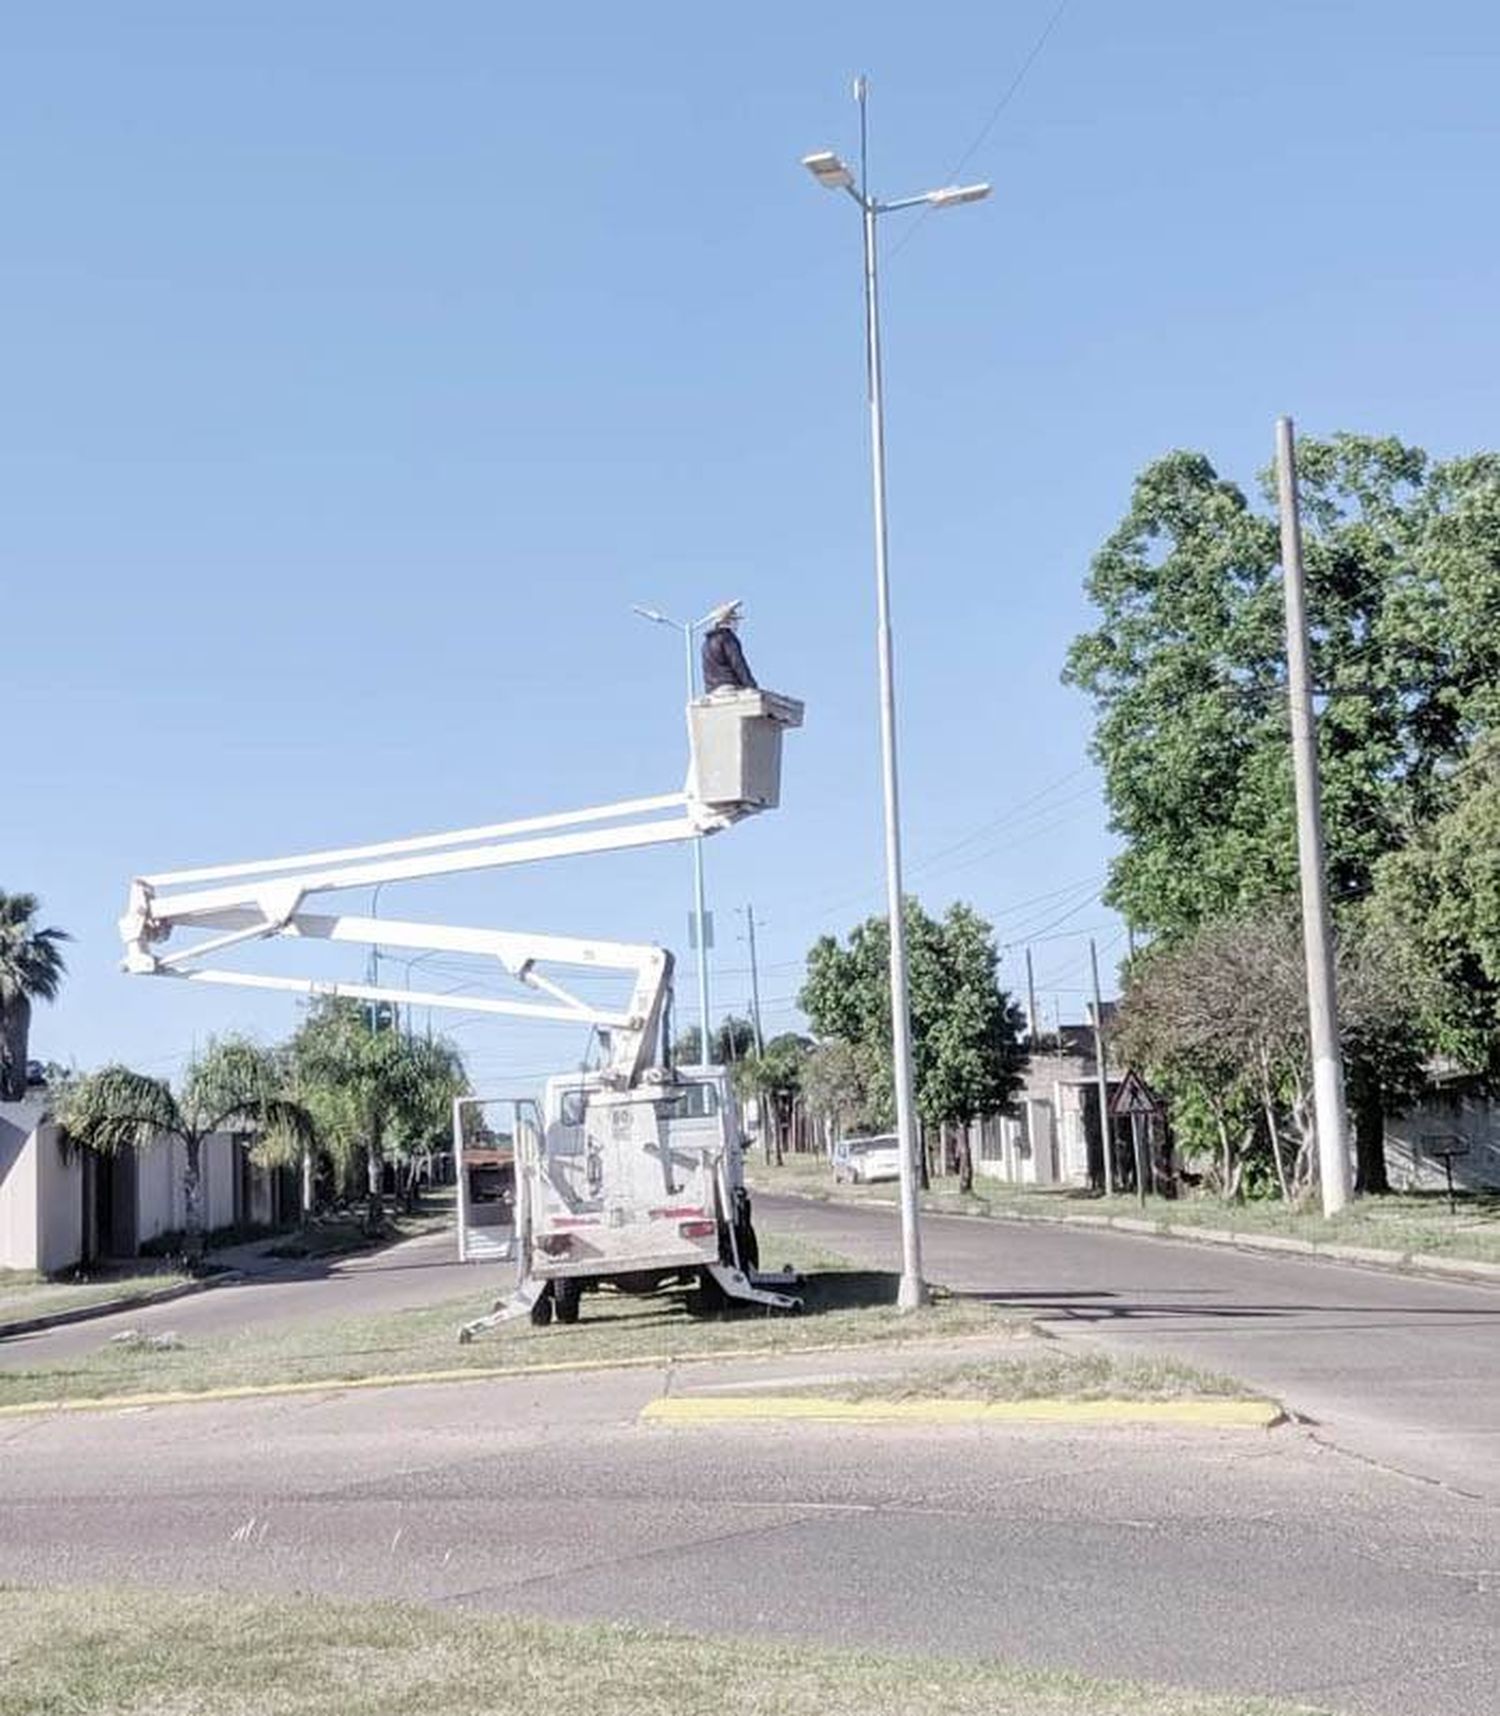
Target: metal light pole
point(689, 628)
point(831, 173)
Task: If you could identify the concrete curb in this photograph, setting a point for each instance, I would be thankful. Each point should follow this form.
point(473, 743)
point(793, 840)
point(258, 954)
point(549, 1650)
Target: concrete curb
point(417, 1378)
point(1365, 1256)
point(111, 1307)
point(1199, 1414)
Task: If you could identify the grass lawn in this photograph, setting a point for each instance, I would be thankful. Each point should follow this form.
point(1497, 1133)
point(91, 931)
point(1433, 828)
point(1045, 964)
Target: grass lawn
point(843, 1306)
point(344, 1234)
point(1418, 1223)
point(25, 1294)
point(117, 1652)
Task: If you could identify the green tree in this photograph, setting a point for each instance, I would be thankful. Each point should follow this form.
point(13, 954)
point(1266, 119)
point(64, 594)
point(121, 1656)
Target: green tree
point(1187, 669)
point(774, 1078)
point(373, 1093)
point(836, 1087)
point(233, 1086)
point(1436, 909)
point(733, 1040)
point(1218, 1019)
point(31, 969)
point(966, 1049)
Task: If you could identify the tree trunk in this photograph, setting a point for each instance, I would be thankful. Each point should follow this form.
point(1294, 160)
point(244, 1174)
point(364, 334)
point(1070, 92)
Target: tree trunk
point(1273, 1129)
point(1368, 1101)
point(965, 1159)
point(924, 1171)
point(375, 1189)
point(192, 1185)
point(15, 1037)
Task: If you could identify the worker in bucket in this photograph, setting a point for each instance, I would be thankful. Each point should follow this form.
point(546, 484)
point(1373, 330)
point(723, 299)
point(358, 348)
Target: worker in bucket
point(724, 664)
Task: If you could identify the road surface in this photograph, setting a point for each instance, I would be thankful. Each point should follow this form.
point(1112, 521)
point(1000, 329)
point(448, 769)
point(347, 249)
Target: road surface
point(1233, 1560)
point(1401, 1371)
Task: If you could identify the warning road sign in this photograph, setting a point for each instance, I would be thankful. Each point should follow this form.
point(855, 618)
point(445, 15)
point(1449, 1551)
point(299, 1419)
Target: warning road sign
point(1133, 1097)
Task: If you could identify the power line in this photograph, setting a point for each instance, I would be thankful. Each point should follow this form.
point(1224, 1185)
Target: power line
point(990, 123)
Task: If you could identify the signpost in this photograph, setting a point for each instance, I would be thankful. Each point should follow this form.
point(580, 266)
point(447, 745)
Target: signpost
point(1134, 1098)
point(1445, 1146)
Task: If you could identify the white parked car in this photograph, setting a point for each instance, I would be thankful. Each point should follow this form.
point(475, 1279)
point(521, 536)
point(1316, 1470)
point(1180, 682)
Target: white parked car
point(862, 1160)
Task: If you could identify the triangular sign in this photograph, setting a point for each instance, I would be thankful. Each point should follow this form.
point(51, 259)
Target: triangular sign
point(1132, 1097)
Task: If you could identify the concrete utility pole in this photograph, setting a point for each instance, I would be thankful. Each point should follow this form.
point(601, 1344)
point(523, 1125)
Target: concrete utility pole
point(760, 1041)
point(1033, 1023)
point(1101, 1068)
point(1317, 933)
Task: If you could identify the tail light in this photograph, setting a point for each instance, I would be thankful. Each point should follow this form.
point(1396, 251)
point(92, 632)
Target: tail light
point(697, 1229)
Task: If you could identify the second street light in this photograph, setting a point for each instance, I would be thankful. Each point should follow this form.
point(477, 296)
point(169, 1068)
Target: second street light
point(833, 175)
point(689, 629)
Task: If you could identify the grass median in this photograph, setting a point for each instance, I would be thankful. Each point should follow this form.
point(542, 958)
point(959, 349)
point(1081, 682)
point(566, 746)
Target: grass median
point(844, 1306)
point(1416, 1224)
point(116, 1652)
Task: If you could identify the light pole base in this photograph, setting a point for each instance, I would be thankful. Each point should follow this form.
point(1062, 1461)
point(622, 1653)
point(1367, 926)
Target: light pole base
point(912, 1294)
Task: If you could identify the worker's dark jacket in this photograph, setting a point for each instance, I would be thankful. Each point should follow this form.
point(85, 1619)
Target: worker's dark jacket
point(724, 661)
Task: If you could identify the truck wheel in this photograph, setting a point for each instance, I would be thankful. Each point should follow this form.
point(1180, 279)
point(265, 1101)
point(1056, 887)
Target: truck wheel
point(749, 1247)
point(541, 1311)
point(567, 1299)
point(709, 1299)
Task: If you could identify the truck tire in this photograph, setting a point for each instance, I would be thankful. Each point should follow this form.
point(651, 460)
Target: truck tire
point(749, 1247)
point(541, 1311)
point(567, 1299)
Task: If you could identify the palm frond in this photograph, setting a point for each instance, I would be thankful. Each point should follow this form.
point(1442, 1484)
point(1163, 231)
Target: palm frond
point(116, 1109)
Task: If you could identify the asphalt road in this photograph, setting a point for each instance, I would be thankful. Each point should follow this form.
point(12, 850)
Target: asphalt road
point(417, 1272)
point(1401, 1371)
point(1237, 1560)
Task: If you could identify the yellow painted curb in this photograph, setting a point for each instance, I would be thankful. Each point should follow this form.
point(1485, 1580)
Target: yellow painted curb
point(410, 1379)
point(731, 1408)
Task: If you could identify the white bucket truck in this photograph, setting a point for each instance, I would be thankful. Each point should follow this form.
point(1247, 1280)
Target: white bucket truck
point(628, 1176)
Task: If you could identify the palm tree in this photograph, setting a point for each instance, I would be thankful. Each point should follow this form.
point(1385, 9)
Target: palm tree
point(234, 1085)
point(31, 969)
point(372, 1090)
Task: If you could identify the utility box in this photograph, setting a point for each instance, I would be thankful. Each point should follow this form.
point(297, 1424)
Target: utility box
point(736, 740)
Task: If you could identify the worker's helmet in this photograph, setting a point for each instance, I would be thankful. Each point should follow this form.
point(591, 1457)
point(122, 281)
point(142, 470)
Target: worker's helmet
point(727, 613)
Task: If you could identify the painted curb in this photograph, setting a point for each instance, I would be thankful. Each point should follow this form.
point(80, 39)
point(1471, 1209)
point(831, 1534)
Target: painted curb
point(112, 1307)
point(1434, 1266)
point(417, 1378)
point(722, 1409)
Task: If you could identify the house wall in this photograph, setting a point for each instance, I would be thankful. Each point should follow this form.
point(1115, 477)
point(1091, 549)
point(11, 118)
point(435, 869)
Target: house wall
point(41, 1193)
point(159, 1204)
point(1411, 1140)
point(18, 1196)
point(59, 1201)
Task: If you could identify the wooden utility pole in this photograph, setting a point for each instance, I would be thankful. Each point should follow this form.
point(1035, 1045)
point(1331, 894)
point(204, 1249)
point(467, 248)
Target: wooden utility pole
point(1101, 1067)
point(1317, 933)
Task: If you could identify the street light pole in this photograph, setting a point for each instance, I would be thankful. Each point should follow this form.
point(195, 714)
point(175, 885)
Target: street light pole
point(834, 175)
point(689, 628)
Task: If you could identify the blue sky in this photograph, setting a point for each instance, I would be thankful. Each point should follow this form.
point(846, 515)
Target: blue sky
point(365, 363)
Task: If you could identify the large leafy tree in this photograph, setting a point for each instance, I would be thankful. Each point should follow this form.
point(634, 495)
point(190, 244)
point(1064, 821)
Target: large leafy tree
point(1187, 669)
point(372, 1091)
point(1436, 910)
point(966, 1030)
point(233, 1086)
point(31, 969)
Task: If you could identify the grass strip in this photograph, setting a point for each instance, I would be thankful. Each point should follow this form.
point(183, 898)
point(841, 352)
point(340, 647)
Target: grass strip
point(844, 1307)
point(131, 1652)
point(1416, 1224)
